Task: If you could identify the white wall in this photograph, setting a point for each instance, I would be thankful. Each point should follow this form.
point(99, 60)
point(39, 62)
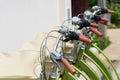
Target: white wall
point(64, 5)
point(22, 20)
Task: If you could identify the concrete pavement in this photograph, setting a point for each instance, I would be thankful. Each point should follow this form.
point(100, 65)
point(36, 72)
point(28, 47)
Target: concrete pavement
point(113, 51)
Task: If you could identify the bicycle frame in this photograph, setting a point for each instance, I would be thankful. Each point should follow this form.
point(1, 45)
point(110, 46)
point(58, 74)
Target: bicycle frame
point(97, 61)
point(67, 74)
point(72, 70)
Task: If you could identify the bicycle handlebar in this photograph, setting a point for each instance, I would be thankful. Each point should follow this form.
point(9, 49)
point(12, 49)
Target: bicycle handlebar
point(103, 21)
point(72, 35)
point(83, 23)
point(84, 39)
point(94, 25)
point(68, 66)
point(99, 10)
point(96, 32)
point(111, 11)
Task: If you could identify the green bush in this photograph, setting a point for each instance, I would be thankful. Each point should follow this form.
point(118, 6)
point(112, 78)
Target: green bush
point(92, 3)
point(115, 18)
point(102, 43)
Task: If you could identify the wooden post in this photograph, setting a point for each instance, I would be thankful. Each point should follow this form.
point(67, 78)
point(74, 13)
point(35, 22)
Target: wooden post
point(79, 6)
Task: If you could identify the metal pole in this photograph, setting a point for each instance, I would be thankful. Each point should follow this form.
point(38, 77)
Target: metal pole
point(102, 28)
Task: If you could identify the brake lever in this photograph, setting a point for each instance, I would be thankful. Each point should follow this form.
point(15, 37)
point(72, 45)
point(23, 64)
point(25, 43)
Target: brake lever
point(85, 31)
point(56, 60)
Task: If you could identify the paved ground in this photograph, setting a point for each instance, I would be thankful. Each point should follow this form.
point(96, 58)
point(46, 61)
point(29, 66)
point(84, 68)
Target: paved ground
point(113, 51)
